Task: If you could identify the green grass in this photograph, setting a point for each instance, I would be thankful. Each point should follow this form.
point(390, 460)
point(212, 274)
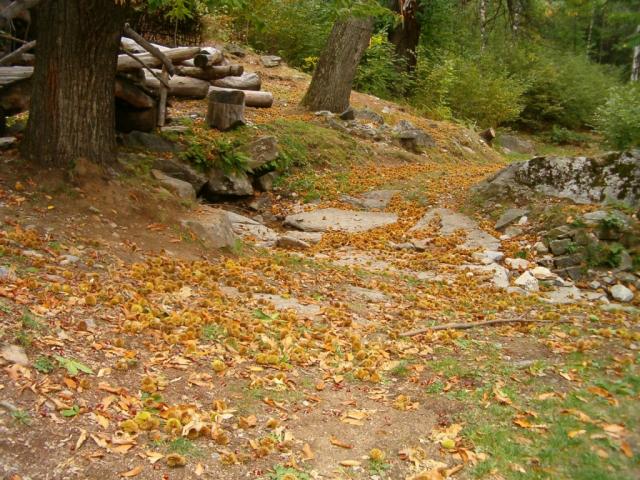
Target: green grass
point(181, 446)
point(280, 472)
point(21, 417)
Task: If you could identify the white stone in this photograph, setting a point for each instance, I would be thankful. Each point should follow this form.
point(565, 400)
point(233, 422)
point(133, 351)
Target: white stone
point(326, 219)
point(543, 273)
point(519, 264)
point(488, 256)
point(621, 293)
point(528, 282)
point(541, 248)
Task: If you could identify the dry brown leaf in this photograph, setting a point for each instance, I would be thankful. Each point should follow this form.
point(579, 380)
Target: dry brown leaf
point(339, 443)
point(133, 472)
point(307, 453)
point(350, 463)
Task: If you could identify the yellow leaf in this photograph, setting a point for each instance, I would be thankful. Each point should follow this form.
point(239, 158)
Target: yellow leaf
point(199, 470)
point(350, 463)
point(576, 433)
point(81, 439)
point(133, 472)
point(626, 449)
point(339, 443)
point(307, 452)
point(433, 474)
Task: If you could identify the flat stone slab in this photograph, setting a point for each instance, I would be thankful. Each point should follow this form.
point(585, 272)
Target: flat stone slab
point(282, 303)
point(376, 199)
point(451, 221)
point(341, 220)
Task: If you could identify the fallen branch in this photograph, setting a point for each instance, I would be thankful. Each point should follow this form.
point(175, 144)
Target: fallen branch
point(146, 67)
point(468, 325)
point(17, 53)
point(11, 37)
point(149, 47)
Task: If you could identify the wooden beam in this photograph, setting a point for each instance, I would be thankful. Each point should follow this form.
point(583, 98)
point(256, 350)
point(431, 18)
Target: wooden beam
point(176, 55)
point(149, 47)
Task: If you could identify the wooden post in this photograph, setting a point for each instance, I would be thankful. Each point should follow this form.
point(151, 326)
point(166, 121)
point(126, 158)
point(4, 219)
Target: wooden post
point(162, 105)
point(226, 109)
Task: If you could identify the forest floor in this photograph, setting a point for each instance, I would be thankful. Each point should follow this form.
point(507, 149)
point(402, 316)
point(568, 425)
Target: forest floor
point(143, 355)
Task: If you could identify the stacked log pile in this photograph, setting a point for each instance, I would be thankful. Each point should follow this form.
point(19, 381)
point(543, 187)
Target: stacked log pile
point(144, 80)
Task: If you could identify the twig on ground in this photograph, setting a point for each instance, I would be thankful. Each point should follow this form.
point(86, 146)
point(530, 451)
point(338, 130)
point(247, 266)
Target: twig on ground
point(468, 325)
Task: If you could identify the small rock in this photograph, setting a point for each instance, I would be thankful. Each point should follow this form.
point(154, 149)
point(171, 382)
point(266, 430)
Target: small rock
point(540, 247)
point(513, 231)
point(595, 285)
point(559, 247)
point(626, 262)
point(509, 217)
point(523, 221)
point(266, 181)
point(68, 260)
point(563, 231)
point(421, 244)
point(528, 282)
point(15, 354)
point(348, 114)
point(324, 113)
point(621, 293)
point(6, 274)
point(543, 273)
point(616, 307)
point(517, 264)
point(567, 261)
point(174, 129)
point(181, 188)
point(286, 241)
point(488, 256)
point(369, 116)
point(270, 61)
point(235, 50)
point(260, 152)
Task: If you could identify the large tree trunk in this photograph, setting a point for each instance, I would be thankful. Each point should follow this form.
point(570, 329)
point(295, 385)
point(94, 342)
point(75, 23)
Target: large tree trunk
point(406, 36)
point(330, 87)
point(72, 112)
point(635, 64)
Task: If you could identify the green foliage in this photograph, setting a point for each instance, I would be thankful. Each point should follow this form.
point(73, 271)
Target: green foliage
point(604, 255)
point(70, 412)
point(618, 119)
point(281, 472)
point(21, 416)
point(72, 366)
point(564, 136)
point(381, 72)
point(229, 158)
point(43, 365)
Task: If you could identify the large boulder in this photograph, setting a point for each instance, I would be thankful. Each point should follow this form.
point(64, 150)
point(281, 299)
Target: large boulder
point(260, 152)
point(610, 177)
point(180, 170)
point(412, 138)
point(226, 184)
point(516, 144)
point(326, 219)
point(181, 188)
point(213, 229)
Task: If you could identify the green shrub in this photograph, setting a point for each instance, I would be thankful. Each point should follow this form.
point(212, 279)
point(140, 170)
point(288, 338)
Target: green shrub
point(564, 136)
point(619, 118)
point(381, 72)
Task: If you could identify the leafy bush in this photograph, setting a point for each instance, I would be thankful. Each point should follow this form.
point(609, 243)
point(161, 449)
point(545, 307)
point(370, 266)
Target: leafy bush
point(381, 72)
point(619, 118)
point(564, 136)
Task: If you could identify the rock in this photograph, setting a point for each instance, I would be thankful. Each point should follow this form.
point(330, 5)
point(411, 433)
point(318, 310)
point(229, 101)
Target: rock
point(68, 260)
point(237, 218)
point(147, 141)
point(593, 219)
point(612, 177)
point(595, 285)
point(487, 257)
point(285, 241)
point(222, 184)
point(270, 61)
point(543, 273)
point(265, 182)
point(7, 142)
point(559, 247)
point(500, 277)
point(517, 264)
point(175, 129)
point(348, 114)
point(616, 307)
point(181, 171)
point(235, 50)
point(15, 354)
point(509, 217)
point(368, 294)
point(281, 303)
point(6, 274)
point(528, 282)
point(308, 237)
point(324, 113)
point(568, 261)
point(260, 152)
point(421, 244)
point(621, 293)
point(451, 221)
point(563, 295)
point(342, 220)
point(181, 188)
point(261, 234)
point(546, 261)
point(214, 229)
point(513, 231)
point(515, 143)
point(369, 116)
point(563, 231)
point(524, 220)
point(412, 138)
point(575, 273)
point(540, 247)
point(626, 262)
point(376, 199)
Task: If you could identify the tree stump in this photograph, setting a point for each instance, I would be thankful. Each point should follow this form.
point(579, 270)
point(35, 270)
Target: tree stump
point(226, 109)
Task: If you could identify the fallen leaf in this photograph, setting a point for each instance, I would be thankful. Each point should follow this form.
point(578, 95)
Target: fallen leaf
point(339, 443)
point(350, 463)
point(307, 452)
point(81, 439)
point(133, 472)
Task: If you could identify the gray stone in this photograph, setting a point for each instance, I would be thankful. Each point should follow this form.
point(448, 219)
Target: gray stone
point(342, 220)
point(281, 303)
point(6, 273)
point(7, 142)
point(595, 285)
point(265, 182)
point(175, 129)
point(285, 241)
point(563, 295)
point(260, 152)
point(592, 219)
point(621, 293)
point(528, 282)
point(515, 143)
point(626, 262)
point(181, 188)
point(566, 261)
point(541, 248)
point(181, 171)
point(412, 138)
point(369, 116)
point(235, 50)
point(487, 257)
point(308, 237)
point(212, 228)
point(261, 234)
point(68, 260)
point(517, 264)
point(559, 247)
point(563, 231)
point(584, 238)
point(546, 261)
point(616, 307)
point(612, 177)
point(376, 199)
point(513, 231)
point(510, 216)
point(15, 354)
point(225, 184)
point(575, 273)
point(148, 141)
point(270, 61)
point(543, 273)
point(451, 221)
point(368, 294)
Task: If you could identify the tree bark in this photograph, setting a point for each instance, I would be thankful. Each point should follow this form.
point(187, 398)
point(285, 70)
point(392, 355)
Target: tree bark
point(176, 55)
point(226, 109)
point(483, 24)
point(332, 80)
point(247, 81)
point(210, 73)
point(185, 87)
point(635, 65)
point(252, 98)
point(406, 36)
point(72, 112)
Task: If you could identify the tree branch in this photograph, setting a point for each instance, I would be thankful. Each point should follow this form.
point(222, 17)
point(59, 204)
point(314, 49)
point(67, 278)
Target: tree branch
point(149, 47)
point(160, 79)
point(16, 53)
point(466, 326)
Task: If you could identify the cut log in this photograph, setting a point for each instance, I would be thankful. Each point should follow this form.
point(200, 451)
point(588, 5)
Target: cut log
point(176, 55)
point(134, 47)
point(9, 75)
point(251, 98)
point(210, 73)
point(151, 48)
point(208, 57)
point(247, 81)
point(488, 135)
point(226, 110)
point(185, 87)
point(133, 95)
